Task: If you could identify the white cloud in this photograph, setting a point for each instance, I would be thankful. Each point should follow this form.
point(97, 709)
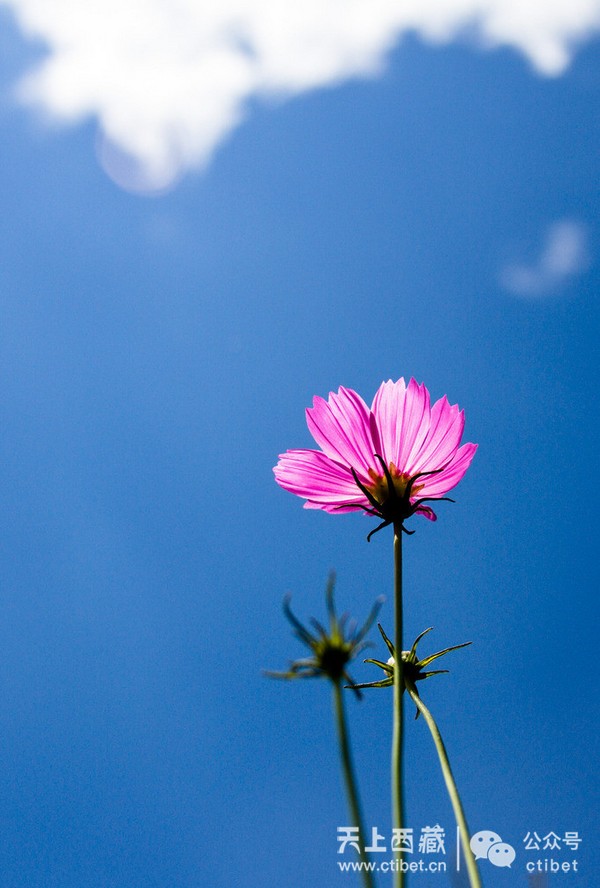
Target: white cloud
point(564, 255)
point(168, 80)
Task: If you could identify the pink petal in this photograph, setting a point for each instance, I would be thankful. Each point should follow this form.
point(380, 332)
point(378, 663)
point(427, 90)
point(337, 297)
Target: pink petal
point(439, 485)
point(386, 419)
point(426, 512)
point(415, 422)
point(331, 510)
point(340, 426)
point(442, 441)
point(313, 475)
point(402, 416)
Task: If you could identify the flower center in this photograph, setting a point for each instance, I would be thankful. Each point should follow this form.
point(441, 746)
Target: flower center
point(380, 486)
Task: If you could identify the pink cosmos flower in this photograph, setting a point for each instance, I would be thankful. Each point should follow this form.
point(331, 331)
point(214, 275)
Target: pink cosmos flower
point(388, 460)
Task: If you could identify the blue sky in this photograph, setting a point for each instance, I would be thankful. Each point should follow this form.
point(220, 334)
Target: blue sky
point(437, 220)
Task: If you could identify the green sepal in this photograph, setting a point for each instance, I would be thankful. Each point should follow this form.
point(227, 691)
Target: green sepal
point(384, 683)
point(387, 667)
point(389, 644)
point(414, 669)
point(331, 650)
point(455, 647)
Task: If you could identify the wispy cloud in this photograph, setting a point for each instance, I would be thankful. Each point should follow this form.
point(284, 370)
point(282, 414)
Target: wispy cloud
point(168, 80)
point(564, 255)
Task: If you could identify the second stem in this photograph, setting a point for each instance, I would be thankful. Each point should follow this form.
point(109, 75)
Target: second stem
point(350, 781)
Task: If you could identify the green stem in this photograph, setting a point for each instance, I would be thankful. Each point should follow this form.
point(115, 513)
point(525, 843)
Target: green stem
point(350, 780)
point(474, 879)
point(397, 736)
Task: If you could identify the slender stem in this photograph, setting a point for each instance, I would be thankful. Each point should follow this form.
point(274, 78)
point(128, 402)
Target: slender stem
point(397, 736)
point(350, 780)
point(474, 879)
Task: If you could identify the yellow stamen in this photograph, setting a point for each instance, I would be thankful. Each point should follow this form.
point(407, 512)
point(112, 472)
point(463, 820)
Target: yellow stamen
point(380, 490)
